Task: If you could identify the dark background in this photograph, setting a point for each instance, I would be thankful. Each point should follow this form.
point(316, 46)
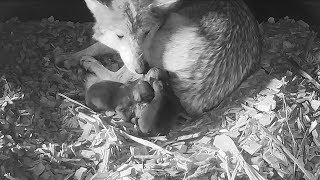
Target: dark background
point(76, 10)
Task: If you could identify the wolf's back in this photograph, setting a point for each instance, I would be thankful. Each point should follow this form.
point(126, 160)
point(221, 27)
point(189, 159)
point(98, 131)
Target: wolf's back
point(224, 47)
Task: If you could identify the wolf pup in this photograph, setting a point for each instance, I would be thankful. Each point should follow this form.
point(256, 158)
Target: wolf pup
point(160, 115)
point(207, 46)
point(117, 97)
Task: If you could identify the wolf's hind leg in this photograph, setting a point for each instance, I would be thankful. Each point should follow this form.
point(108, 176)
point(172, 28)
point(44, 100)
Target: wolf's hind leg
point(73, 59)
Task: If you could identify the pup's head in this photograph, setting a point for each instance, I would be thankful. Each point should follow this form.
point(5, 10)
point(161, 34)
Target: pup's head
point(128, 25)
point(143, 92)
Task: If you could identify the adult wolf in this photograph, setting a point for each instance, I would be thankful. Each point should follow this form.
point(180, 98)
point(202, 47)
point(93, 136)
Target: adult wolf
point(207, 46)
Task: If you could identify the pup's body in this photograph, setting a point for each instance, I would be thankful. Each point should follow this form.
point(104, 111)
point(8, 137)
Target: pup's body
point(117, 97)
point(161, 113)
point(107, 95)
point(208, 46)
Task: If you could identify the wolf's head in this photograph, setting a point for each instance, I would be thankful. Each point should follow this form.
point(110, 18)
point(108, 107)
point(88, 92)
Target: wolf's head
point(127, 25)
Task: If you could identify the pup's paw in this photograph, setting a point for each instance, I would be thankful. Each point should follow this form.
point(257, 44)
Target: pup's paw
point(158, 87)
point(156, 74)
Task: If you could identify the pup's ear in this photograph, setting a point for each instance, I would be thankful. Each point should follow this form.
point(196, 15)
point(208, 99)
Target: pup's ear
point(162, 7)
point(98, 9)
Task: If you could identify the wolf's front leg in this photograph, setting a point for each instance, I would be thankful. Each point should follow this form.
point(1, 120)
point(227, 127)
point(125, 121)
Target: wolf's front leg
point(123, 75)
point(73, 59)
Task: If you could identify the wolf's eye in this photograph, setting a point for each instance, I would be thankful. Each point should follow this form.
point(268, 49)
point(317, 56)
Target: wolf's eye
point(120, 36)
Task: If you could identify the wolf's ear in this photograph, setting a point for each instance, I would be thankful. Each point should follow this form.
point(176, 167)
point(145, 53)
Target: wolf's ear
point(98, 9)
point(161, 7)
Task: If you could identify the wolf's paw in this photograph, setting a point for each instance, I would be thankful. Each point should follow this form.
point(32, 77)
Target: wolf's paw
point(64, 60)
point(90, 63)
